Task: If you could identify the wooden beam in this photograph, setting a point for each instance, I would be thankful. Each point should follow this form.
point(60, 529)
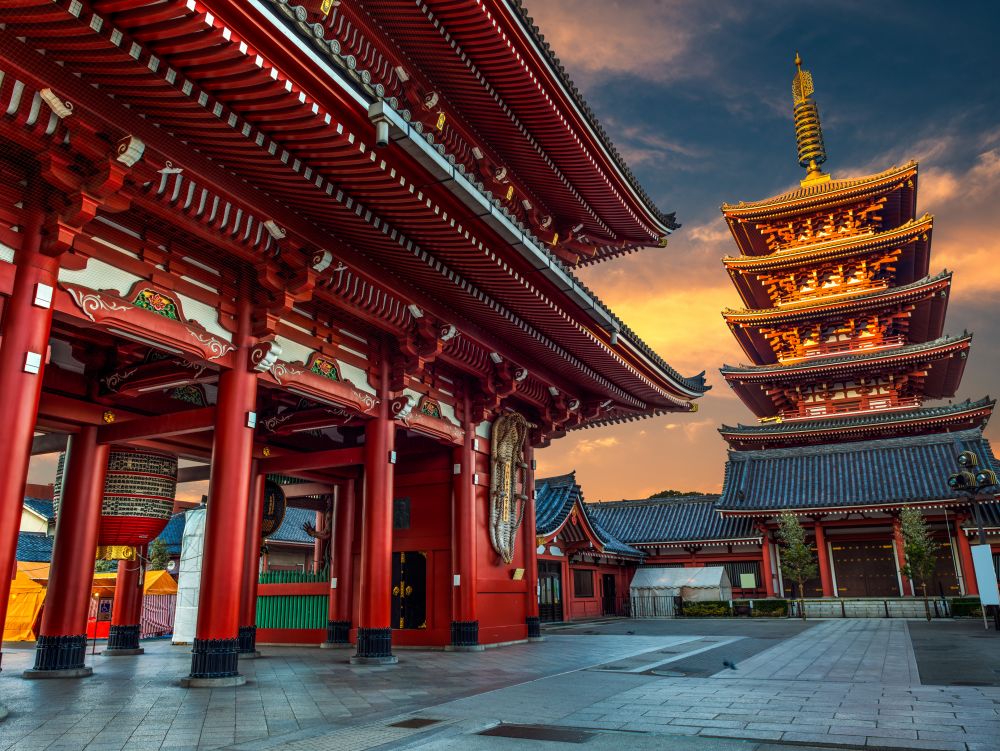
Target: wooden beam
point(158, 426)
point(306, 489)
point(315, 460)
point(194, 474)
point(50, 443)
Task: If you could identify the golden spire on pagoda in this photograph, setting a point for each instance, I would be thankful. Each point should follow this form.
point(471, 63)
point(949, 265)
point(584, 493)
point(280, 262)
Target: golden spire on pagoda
point(808, 132)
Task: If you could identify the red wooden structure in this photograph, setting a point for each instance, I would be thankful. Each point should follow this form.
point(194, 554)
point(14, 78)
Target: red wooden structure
point(328, 241)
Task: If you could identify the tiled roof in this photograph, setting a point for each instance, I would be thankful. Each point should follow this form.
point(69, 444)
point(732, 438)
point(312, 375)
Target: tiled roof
point(859, 420)
point(41, 507)
point(173, 533)
point(819, 189)
point(826, 362)
point(668, 520)
point(895, 471)
point(989, 513)
point(35, 547)
point(554, 501)
point(291, 527)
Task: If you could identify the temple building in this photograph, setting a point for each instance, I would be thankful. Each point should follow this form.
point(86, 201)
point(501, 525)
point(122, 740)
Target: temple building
point(331, 242)
point(843, 325)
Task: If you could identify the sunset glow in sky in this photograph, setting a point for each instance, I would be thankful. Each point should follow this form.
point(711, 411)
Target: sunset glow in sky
point(697, 97)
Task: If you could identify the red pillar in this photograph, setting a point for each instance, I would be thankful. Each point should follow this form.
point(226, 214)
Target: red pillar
point(318, 542)
point(338, 627)
point(374, 643)
point(62, 638)
point(531, 546)
point(123, 636)
point(25, 329)
point(823, 555)
point(247, 635)
point(215, 648)
point(765, 562)
point(965, 558)
point(897, 536)
point(465, 621)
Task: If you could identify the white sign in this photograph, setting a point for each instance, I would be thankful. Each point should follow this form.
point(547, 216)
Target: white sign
point(748, 581)
point(986, 575)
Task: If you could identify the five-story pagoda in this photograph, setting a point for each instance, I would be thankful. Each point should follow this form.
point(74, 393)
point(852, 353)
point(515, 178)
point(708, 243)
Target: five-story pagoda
point(844, 326)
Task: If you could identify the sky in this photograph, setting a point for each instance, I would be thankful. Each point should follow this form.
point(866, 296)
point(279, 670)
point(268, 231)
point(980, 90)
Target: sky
point(697, 98)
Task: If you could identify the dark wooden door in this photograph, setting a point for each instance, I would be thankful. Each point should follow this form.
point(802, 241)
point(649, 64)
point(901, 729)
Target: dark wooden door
point(409, 589)
point(608, 594)
point(865, 569)
point(549, 591)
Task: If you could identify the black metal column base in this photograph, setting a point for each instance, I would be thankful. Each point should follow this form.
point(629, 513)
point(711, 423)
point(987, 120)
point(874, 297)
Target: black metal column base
point(123, 637)
point(534, 628)
point(60, 657)
point(374, 647)
point(338, 633)
point(214, 658)
point(247, 640)
point(465, 636)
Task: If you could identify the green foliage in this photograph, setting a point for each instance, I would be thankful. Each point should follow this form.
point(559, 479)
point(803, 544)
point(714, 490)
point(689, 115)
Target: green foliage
point(159, 556)
point(797, 560)
point(770, 608)
point(919, 547)
point(105, 567)
point(707, 609)
point(674, 493)
point(966, 607)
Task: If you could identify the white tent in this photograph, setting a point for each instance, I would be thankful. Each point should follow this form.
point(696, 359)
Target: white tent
point(654, 589)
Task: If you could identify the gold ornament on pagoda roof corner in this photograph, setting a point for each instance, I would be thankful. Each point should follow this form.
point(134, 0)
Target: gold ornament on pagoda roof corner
point(507, 499)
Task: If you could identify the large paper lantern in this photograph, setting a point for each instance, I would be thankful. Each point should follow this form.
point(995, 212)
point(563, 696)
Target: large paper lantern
point(139, 490)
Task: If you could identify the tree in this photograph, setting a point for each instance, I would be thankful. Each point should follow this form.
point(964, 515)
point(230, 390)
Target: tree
point(102, 566)
point(159, 556)
point(797, 560)
point(919, 550)
point(674, 493)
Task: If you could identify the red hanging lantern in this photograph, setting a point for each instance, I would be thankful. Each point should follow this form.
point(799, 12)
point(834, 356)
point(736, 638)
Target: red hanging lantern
point(139, 490)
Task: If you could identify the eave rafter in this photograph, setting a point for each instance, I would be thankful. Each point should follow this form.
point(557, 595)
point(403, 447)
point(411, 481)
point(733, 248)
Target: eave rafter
point(173, 195)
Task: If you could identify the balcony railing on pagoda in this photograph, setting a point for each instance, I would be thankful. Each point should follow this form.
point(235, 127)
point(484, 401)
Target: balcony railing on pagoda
point(824, 349)
point(865, 406)
point(822, 295)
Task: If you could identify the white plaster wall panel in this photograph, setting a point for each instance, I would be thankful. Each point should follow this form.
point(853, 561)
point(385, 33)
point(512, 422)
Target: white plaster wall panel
point(292, 351)
point(189, 578)
point(355, 375)
point(100, 275)
point(206, 315)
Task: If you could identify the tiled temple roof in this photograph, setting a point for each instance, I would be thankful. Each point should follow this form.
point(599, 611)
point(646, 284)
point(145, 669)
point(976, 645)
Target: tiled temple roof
point(34, 547)
point(824, 362)
point(823, 189)
point(857, 420)
point(555, 498)
point(670, 520)
point(880, 473)
point(173, 533)
point(40, 506)
point(291, 526)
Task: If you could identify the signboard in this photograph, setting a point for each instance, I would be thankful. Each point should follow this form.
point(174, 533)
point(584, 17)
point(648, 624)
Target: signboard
point(104, 609)
point(748, 581)
point(986, 575)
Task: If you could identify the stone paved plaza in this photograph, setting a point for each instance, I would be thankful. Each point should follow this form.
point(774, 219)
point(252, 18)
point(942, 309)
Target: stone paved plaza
point(622, 684)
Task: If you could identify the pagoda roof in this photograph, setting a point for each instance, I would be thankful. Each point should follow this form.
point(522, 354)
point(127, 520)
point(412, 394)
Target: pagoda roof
point(752, 382)
point(861, 425)
point(828, 193)
point(876, 475)
point(494, 65)
point(670, 522)
point(262, 127)
point(914, 237)
point(556, 498)
point(926, 321)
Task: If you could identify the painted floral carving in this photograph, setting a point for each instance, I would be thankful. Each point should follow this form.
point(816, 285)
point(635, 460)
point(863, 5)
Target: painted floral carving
point(156, 302)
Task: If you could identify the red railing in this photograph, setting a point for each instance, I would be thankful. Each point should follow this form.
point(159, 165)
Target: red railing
point(873, 404)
